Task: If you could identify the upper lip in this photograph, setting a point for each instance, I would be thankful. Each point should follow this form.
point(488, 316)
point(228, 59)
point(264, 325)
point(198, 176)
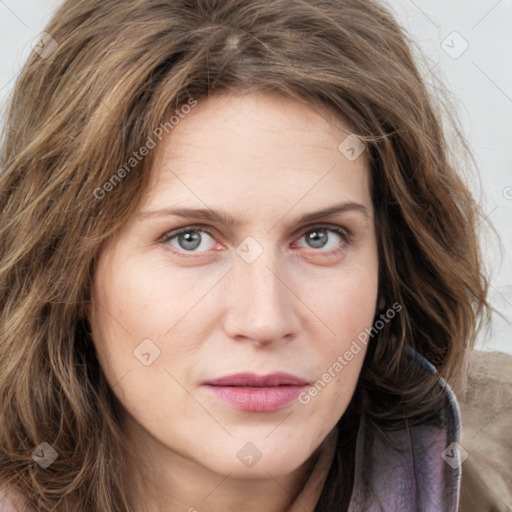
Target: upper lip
point(261, 381)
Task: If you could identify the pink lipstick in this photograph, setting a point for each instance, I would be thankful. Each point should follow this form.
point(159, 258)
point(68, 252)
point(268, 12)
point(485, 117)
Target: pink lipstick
point(257, 393)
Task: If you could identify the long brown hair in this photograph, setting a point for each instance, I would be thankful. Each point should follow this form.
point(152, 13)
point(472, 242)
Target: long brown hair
point(115, 71)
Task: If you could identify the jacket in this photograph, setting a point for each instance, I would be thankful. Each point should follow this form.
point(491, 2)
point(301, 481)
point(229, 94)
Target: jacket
point(464, 466)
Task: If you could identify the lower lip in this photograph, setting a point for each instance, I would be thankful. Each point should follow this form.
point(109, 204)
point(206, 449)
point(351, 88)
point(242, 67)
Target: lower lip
point(257, 399)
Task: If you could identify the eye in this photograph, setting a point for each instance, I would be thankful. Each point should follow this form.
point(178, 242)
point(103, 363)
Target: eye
point(321, 237)
point(189, 239)
point(197, 239)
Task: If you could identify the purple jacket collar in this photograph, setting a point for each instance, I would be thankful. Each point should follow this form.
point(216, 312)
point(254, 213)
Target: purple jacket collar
point(420, 473)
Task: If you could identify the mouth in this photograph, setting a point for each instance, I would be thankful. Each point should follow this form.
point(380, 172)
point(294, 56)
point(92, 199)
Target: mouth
point(255, 393)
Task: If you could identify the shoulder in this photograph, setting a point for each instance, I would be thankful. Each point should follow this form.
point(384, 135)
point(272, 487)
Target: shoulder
point(12, 501)
point(486, 416)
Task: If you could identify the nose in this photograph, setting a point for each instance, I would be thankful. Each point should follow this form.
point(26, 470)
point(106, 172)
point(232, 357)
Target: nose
point(262, 307)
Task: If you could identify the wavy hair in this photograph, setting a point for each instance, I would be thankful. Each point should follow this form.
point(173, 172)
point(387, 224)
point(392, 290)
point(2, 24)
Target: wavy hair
point(78, 113)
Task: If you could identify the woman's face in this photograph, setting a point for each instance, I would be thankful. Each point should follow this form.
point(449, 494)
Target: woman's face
point(266, 293)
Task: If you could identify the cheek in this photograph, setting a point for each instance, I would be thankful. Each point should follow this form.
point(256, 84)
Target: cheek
point(348, 305)
point(138, 309)
point(156, 297)
point(348, 308)
point(145, 299)
point(350, 317)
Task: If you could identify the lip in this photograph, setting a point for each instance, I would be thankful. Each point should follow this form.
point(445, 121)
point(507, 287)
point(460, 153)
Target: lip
point(257, 393)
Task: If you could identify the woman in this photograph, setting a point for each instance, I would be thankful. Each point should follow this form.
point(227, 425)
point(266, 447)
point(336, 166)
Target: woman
point(238, 268)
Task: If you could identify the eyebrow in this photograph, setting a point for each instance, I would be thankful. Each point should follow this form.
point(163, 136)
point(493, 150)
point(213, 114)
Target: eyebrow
point(221, 217)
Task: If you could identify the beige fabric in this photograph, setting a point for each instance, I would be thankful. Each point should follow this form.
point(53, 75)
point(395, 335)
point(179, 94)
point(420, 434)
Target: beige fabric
point(486, 414)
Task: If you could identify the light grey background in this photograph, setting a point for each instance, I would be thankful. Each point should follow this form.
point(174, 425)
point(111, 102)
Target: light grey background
point(465, 43)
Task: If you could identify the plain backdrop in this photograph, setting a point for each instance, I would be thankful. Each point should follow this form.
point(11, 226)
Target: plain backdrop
point(464, 43)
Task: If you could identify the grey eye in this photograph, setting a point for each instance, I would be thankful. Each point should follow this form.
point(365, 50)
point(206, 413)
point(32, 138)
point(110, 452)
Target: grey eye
point(317, 238)
point(189, 240)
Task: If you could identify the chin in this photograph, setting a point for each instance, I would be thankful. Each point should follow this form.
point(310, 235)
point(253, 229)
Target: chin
point(248, 463)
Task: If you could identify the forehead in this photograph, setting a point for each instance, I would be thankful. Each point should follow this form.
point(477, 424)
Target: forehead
point(236, 148)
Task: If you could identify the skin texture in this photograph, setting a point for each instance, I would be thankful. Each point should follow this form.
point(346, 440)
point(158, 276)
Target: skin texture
point(265, 160)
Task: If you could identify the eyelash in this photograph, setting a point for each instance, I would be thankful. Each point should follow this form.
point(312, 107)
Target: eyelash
point(343, 233)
